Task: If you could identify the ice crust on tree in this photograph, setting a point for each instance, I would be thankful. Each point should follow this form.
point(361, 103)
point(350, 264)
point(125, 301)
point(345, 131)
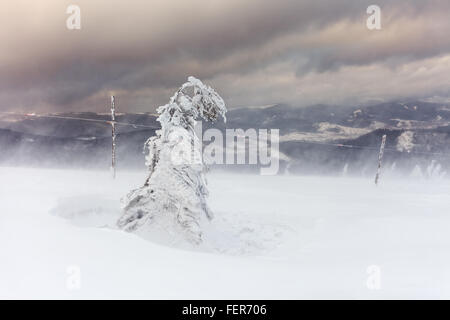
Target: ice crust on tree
point(173, 198)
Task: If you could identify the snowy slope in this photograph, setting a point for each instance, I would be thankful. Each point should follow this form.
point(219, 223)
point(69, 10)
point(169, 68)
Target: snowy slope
point(274, 237)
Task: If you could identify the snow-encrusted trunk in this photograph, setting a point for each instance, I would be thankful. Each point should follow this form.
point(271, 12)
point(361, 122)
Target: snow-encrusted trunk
point(173, 197)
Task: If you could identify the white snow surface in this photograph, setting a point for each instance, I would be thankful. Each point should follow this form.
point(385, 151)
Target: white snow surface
point(273, 237)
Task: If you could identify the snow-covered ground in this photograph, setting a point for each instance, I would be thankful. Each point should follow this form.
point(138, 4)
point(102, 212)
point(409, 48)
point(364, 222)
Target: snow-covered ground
point(274, 237)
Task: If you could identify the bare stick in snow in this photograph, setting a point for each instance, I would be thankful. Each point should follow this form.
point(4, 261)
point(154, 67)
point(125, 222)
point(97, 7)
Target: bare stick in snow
point(113, 125)
point(380, 159)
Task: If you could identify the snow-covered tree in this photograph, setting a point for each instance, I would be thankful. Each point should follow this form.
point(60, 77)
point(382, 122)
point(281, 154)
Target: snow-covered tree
point(174, 195)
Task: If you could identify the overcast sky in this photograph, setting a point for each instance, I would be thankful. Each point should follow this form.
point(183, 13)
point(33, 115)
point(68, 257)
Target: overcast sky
point(252, 52)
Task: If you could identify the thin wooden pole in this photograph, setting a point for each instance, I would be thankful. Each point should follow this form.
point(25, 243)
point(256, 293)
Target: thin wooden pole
point(113, 125)
point(380, 159)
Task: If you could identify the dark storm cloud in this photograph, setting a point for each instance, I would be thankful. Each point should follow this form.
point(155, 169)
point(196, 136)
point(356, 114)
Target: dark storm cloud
point(253, 52)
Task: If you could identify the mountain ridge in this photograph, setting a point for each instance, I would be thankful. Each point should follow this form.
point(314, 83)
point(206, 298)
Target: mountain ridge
point(412, 127)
